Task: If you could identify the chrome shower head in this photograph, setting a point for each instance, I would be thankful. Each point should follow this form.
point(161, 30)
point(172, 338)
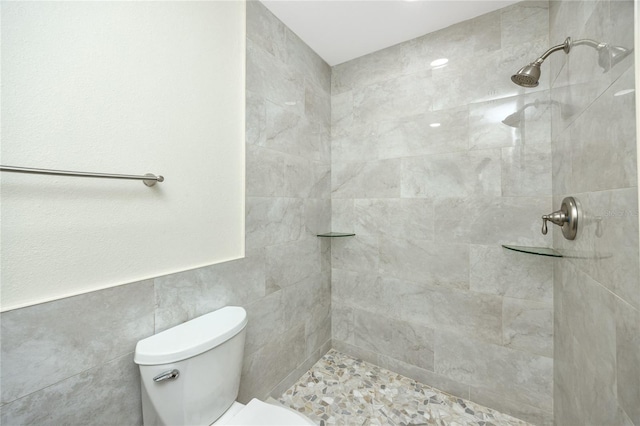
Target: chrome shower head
point(528, 75)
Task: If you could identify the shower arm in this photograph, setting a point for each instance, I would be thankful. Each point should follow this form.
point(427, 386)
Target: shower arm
point(566, 46)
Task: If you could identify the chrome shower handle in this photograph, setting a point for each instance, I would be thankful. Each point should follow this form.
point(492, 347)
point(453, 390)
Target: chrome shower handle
point(559, 218)
point(566, 218)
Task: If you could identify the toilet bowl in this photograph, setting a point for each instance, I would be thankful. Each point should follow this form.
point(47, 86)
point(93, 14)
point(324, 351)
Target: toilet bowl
point(190, 375)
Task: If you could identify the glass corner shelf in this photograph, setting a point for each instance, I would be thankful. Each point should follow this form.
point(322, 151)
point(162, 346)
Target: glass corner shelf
point(539, 251)
point(335, 234)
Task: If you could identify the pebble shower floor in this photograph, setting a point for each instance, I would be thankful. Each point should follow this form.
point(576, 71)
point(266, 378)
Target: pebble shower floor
point(342, 390)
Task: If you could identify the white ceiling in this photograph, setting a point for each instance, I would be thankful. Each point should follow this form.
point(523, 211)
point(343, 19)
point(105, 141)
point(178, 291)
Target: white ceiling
point(341, 30)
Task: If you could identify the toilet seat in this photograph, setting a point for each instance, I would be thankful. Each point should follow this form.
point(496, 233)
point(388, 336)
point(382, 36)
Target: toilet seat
point(261, 413)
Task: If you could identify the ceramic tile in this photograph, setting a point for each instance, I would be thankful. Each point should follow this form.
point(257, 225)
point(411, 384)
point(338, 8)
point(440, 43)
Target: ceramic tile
point(270, 221)
point(374, 179)
point(452, 175)
point(496, 270)
point(291, 263)
point(105, 395)
point(448, 264)
point(47, 343)
point(426, 133)
point(520, 376)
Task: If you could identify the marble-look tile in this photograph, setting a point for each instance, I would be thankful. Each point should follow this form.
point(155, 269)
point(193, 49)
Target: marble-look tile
point(496, 270)
point(425, 261)
point(366, 70)
point(356, 145)
point(308, 302)
point(524, 21)
point(291, 132)
point(608, 149)
point(343, 217)
point(306, 179)
point(341, 113)
point(317, 107)
point(265, 30)
point(302, 58)
point(341, 321)
point(628, 359)
point(264, 172)
point(406, 341)
point(291, 263)
point(468, 314)
point(340, 389)
point(256, 119)
point(359, 253)
point(397, 97)
point(452, 175)
point(528, 325)
point(362, 290)
point(190, 294)
point(588, 323)
point(478, 316)
point(526, 171)
point(396, 218)
point(271, 221)
point(471, 38)
point(426, 133)
point(105, 395)
point(318, 335)
point(374, 179)
point(47, 343)
point(491, 220)
point(317, 216)
point(523, 377)
point(265, 321)
point(269, 365)
point(273, 80)
point(517, 409)
point(354, 351)
point(424, 376)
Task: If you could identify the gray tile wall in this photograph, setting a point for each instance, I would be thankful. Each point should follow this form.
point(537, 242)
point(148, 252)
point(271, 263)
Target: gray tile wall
point(425, 288)
point(597, 293)
point(71, 361)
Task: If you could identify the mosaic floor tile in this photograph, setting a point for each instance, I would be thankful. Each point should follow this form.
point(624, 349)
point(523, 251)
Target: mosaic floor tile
point(342, 390)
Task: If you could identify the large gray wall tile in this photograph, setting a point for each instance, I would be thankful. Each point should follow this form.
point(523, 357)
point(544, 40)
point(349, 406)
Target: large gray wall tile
point(186, 295)
point(375, 179)
point(47, 343)
point(496, 270)
point(405, 258)
point(104, 395)
point(513, 374)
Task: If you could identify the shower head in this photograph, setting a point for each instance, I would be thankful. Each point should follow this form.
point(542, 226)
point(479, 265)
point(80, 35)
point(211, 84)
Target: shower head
point(528, 75)
point(609, 56)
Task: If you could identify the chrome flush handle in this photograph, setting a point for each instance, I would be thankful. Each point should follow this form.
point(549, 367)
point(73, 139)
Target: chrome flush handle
point(167, 375)
point(566, 218)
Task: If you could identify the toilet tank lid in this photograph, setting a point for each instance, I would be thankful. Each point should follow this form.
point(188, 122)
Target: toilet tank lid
point(192, 337)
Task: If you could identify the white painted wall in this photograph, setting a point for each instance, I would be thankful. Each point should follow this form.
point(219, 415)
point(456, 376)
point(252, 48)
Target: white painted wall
point(119, 87)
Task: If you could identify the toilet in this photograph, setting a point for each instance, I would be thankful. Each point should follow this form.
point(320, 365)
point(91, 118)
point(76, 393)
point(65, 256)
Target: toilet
point(190, 375)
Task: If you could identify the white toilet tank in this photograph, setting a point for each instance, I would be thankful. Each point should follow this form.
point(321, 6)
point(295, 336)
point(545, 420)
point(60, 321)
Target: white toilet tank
point(191, 373)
